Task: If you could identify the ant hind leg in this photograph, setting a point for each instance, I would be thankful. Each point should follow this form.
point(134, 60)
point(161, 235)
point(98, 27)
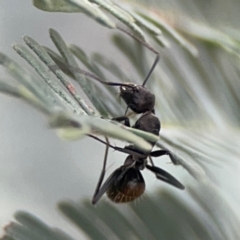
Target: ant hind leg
point(101, 177)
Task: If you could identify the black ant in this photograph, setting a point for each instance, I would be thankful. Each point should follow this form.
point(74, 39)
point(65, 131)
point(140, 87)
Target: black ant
point(126, 183)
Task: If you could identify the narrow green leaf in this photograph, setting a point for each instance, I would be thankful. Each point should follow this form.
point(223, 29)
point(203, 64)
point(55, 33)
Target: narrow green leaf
point(59, 61)
point(18, 232)
point(103, 126)
point(93, 11)
point(86, 86)
point(110, 104)
point(146, 24)
point(7, 238)
point(35, 226)
point(47, 97)
point(100, 89)
point(121, 15)
point(208, 34)
point(193, 168)
point(110, 66)
point(24, 78)
point(171, 31)
point(30, 227)
point(83, 219)
point(43, 55)
point(55, 6)
point(110, 214)
point(133, 51)
point(70, 6)
point(25, 94)
point(84, 83)
point(82, 56)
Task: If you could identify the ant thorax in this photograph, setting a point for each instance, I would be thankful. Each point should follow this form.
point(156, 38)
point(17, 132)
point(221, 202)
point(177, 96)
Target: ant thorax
point(138, 98)
point(148, 122)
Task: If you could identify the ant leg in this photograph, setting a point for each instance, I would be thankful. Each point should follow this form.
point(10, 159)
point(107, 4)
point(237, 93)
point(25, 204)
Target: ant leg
point(123, 118)
point(126, 111)
point(105, 186)
point(101, 177)
point(124, 150)
point(117, 174)
point(138, 154)
point(160, 153)
point(165, 176)
point(151, 161)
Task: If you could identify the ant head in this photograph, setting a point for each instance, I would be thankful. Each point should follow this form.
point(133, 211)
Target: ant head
point(137, 97)
point(128, 185)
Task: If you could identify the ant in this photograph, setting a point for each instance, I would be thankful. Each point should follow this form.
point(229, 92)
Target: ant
point(126, 183)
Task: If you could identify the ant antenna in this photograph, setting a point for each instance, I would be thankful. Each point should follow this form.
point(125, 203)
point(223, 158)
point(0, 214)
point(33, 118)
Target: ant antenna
point(55, 67)
point(151, 70)
point(148, 47)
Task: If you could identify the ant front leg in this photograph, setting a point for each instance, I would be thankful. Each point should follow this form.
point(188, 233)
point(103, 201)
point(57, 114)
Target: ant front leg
point(160, 153)
point(121, 119)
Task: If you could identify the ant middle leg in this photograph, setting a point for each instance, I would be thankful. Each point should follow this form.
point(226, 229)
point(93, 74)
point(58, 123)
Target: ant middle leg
point(159, 153)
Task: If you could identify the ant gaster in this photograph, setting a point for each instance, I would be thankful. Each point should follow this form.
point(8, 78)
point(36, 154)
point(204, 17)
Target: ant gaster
point(126, 183)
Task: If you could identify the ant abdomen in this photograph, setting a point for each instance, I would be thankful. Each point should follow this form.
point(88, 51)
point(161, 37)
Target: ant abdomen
point(126, 187)
point(137, 97)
